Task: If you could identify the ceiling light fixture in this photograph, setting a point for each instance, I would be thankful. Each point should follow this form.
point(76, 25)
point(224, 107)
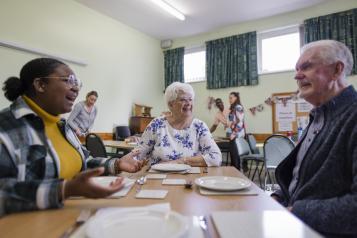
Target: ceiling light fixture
point(170, 9)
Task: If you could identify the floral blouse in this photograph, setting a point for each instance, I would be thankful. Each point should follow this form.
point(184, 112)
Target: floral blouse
point(161, 142)
point(236, 121)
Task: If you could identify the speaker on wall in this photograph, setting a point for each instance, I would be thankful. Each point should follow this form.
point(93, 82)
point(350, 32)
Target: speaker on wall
point(165, 44)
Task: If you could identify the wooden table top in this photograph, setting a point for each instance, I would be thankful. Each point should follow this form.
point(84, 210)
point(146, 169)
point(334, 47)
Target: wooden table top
point(119, 144)
point(52, 223)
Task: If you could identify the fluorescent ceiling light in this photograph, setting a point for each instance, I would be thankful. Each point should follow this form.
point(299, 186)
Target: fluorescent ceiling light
point(173, 11)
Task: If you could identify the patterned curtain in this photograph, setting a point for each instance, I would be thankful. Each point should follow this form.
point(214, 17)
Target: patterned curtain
point(341, 26)
point(232, 61)
point(174, 65)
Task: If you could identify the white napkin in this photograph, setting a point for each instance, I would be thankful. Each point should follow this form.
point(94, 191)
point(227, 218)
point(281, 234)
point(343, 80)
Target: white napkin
point(151, 193)
point(258, 224)
point(156, 176)
point(243, 192)
point(174, 182)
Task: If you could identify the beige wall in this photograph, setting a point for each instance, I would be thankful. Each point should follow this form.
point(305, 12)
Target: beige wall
point(124, 65)
point(269, 83)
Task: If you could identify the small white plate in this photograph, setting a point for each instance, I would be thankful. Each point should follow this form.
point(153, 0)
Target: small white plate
point(167, 167)
point(222, 183)
point(137, 223)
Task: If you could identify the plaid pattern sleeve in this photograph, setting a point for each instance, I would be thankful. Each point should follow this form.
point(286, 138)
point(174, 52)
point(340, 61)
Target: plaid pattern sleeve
point(28, 174)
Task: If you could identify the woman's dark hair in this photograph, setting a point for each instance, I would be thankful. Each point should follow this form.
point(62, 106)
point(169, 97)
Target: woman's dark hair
point(233, 105)
point(94, 93)
point(41, 67)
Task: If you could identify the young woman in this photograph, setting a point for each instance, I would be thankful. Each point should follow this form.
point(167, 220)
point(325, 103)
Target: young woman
point(41, 159)
point(236, 126)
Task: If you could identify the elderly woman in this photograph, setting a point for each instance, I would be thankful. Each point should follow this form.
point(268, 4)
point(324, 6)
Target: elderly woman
point(41, 159)
point(178, 137)
point(83, 115)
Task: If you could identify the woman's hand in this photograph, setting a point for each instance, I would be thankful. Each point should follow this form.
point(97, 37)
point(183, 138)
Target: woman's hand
point(127, 163)
point(83, 185)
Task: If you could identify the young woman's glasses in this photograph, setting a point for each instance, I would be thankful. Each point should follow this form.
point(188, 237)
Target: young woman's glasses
point(71, 80)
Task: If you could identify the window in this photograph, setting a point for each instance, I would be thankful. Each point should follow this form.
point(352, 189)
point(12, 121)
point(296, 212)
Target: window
point(278, 50)
point(195, 65)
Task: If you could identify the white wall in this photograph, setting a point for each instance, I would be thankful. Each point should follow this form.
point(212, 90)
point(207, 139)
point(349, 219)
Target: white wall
point(269, 83)
point(124, 65)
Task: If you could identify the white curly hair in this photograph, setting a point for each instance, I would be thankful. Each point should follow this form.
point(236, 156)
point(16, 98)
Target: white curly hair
point(175, 88)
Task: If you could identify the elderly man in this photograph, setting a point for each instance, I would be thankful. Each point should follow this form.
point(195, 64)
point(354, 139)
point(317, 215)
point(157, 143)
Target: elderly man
point(318, 179)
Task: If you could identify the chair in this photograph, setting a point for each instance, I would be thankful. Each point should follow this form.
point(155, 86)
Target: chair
point(276, 149)
point(253, 144)
point(245, 154)
point(95, 146)
point(121, 132)
point(260, 159)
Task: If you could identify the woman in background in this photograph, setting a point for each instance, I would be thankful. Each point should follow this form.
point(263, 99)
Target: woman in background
point(221, 116)
point(83, 115)
point(236, 126)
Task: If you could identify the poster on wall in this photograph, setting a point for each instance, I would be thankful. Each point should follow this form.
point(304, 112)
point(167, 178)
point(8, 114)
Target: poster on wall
point(285, 112)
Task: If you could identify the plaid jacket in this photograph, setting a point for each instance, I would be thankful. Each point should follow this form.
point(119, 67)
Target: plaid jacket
point(29, 165)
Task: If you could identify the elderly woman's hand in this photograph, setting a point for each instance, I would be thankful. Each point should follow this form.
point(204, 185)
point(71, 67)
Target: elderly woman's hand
point(83, 185)
point(127, 163)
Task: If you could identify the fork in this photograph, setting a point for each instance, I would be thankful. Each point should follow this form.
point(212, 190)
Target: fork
point(81, 219)
point(204, 226)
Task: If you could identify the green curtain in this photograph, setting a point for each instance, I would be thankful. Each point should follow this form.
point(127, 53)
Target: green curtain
point(232, 61)
point(340, 26)
point(174, 65)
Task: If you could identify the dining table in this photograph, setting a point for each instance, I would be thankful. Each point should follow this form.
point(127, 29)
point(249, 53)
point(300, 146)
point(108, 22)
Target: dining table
point(186, 201)
point(116, 144)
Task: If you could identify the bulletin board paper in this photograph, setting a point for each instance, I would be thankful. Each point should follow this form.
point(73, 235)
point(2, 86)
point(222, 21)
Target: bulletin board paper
point(286, 118)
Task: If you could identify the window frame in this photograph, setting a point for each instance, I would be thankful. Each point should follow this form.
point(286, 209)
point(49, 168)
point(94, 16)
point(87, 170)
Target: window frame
point(274, 33)
point(190, 50)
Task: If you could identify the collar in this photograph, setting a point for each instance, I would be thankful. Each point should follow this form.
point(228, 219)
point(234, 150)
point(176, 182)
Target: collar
point(47, 117)
point(19, 108)
point(338, 104)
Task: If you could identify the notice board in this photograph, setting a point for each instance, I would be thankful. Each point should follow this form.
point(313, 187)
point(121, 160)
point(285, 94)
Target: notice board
point(289, 112)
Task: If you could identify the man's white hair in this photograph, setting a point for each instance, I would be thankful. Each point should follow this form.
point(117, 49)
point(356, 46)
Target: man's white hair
point(331, 51)
point(175, 88)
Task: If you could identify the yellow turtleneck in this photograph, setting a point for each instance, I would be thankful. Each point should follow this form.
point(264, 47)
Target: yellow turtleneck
point(70, 159)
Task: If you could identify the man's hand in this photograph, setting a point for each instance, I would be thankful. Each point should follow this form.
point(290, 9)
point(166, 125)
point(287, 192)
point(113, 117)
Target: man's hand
point(127, 163)
point(82, 185)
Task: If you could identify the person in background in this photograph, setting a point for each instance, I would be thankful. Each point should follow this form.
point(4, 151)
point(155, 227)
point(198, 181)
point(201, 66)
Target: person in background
point(221, 116)
point(82, 117)
point(179, 137)
point(318, 179)
point(41, 160)
point(236, 128)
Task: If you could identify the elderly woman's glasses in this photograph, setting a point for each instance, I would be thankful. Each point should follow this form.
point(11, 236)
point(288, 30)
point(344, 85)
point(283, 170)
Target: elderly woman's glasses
point(184, 100)
point(71, 80)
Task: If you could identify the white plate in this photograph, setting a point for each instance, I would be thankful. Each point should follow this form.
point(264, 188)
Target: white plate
point(222, 183)
point(171, 167)
point(105, 181)
point(137, 223)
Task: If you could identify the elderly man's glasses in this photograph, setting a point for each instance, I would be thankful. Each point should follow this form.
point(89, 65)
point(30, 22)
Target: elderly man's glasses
point(71, 80)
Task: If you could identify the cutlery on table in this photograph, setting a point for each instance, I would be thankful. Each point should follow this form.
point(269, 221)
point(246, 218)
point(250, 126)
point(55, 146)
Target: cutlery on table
point(204, 226)
point(81, 219)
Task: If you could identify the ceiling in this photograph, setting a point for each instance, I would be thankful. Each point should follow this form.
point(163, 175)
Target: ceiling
point(201, 15)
